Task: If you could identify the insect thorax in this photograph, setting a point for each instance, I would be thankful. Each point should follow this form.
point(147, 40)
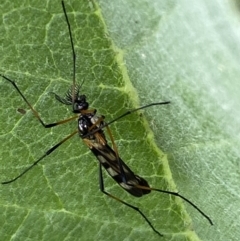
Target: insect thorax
point(85, 123)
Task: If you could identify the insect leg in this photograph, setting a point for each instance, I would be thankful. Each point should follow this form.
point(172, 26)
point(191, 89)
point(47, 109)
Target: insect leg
point(177, 195)
point(125, 114)
point(101, 183)
point(34, 111)
point(48, 152)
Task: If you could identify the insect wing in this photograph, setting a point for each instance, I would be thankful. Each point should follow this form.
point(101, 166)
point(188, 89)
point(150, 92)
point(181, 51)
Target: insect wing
point(109, 160)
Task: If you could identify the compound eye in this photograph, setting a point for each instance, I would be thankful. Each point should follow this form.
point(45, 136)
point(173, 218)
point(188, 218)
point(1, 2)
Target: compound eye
point(82, 106)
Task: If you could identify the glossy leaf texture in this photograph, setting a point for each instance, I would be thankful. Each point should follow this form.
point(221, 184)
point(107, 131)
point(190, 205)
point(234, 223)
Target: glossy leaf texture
point(128, 54)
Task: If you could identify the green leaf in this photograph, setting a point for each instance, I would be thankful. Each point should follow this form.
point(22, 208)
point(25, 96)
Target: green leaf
point(129, 53)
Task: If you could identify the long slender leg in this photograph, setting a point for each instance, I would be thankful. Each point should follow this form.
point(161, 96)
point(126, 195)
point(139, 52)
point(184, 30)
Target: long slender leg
point(177, 195)
point(34, 111)
point(101, 183)
point(125, 114)
point(48, 152)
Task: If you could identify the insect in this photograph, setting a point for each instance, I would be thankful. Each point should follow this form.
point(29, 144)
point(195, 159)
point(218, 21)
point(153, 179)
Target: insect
point(21, 111)
point(91, 130)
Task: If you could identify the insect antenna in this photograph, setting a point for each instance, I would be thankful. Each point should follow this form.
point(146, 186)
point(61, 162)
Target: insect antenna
point(73, 55)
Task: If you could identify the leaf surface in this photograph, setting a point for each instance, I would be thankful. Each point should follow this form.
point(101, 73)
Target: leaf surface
point(128, 55)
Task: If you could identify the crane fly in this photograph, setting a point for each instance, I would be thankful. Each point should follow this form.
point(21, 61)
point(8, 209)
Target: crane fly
point(90, 130)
